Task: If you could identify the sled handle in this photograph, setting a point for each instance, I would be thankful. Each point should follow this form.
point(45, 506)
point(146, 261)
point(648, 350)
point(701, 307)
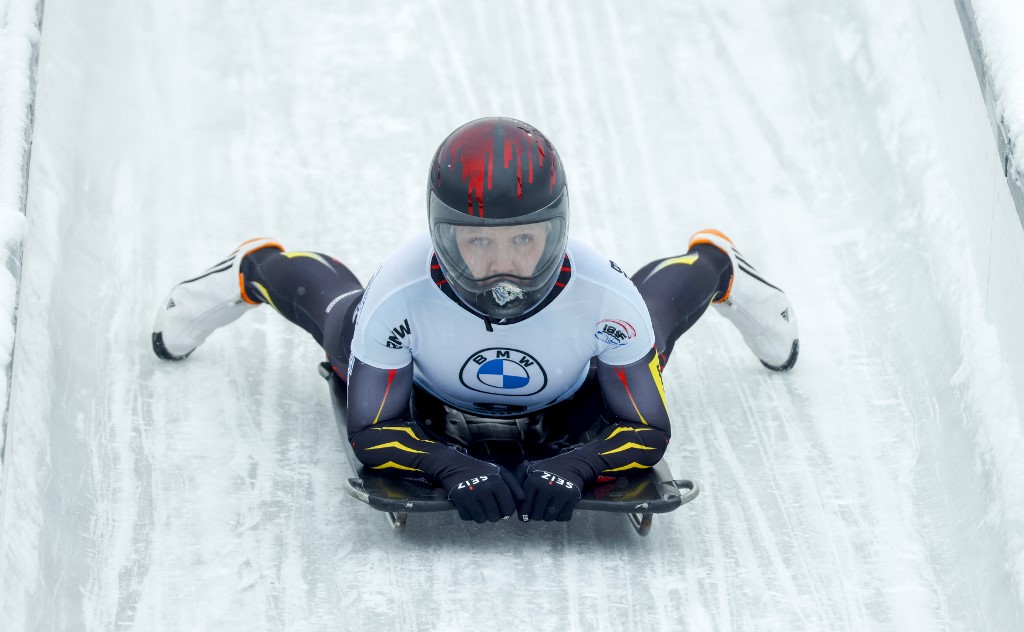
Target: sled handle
point(356, 490)
point(690, 489)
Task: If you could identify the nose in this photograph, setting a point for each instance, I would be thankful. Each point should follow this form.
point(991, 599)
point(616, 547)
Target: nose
point(502, 262)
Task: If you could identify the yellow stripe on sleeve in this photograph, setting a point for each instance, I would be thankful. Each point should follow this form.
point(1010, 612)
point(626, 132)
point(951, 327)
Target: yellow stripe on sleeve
point(396, 466)
point(632, 466)
point(624, 429)
point(627, 446)
point(396, 445)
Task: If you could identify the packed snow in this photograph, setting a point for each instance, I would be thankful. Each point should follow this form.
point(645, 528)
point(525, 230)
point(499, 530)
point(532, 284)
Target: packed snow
point(1001, 29)
point(874, 487)
point(19, 33)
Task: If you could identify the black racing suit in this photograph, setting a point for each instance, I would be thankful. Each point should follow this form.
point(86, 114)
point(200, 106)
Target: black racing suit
point(615, 423)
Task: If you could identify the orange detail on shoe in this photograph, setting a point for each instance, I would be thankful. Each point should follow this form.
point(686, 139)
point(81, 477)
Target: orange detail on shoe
point(697, 239)
point(713, 232)
point(241, 290)
point(243, 252)
point(270, 244)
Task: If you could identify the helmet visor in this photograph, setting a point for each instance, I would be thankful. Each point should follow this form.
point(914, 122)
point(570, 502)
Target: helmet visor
point(482, 256)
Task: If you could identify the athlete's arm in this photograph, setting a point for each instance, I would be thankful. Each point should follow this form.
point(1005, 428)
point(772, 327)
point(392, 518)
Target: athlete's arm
point(385, 440)
point(639, 433)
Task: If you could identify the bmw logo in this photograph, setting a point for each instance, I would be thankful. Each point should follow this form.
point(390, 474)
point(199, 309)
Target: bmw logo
point(501, 371)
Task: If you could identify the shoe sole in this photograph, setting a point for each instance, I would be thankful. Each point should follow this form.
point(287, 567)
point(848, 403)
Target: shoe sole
point(160, 349)
point(790, 362)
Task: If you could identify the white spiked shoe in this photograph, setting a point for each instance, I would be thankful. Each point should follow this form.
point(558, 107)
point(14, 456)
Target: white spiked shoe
point(760, 310)
point(198, 306)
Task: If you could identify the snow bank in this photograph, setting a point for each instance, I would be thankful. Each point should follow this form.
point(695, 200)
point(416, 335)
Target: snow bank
point(994, 28)
point(974, 193)
point(19, 34)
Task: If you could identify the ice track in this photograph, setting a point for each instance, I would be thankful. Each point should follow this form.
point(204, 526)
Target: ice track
point(205, 495)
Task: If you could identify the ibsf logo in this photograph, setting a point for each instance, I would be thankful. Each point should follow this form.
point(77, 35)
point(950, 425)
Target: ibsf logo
point(503, 371)
point(614, 332)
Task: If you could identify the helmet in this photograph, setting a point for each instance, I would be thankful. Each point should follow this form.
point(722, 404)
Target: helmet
point(499, 215)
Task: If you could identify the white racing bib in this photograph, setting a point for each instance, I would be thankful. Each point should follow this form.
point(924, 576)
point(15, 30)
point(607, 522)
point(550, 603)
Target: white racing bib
point(517, 368)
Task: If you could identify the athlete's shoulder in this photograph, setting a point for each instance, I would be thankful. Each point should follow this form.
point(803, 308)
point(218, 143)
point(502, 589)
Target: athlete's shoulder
point(593, 266)
point(403, 273)
point(406, 266)
point(623, 320)
point(383, 331)
point(409, 261)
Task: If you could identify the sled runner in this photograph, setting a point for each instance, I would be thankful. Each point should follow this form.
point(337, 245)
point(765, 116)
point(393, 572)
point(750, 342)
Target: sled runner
point(639, 497)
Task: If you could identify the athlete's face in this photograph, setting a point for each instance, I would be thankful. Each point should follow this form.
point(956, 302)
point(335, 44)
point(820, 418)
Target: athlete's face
point(498, 251)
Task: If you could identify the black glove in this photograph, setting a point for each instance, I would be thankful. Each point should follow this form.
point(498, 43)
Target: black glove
point(550, 495)
point(488, 496)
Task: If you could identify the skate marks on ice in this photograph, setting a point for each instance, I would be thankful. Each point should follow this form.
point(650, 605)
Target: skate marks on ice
point(588, 574)
point(802, 531)
point(813, 474)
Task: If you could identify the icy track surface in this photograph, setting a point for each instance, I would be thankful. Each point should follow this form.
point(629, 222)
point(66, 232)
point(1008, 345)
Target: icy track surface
point(205, 495)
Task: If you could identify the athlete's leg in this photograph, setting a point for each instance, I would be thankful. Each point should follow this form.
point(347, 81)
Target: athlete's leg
point(678, 290)
point(312, 290)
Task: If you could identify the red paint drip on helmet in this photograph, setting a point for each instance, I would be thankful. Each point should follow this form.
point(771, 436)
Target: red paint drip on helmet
point(472, 151)
point(477, 162)
point(529, 176)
